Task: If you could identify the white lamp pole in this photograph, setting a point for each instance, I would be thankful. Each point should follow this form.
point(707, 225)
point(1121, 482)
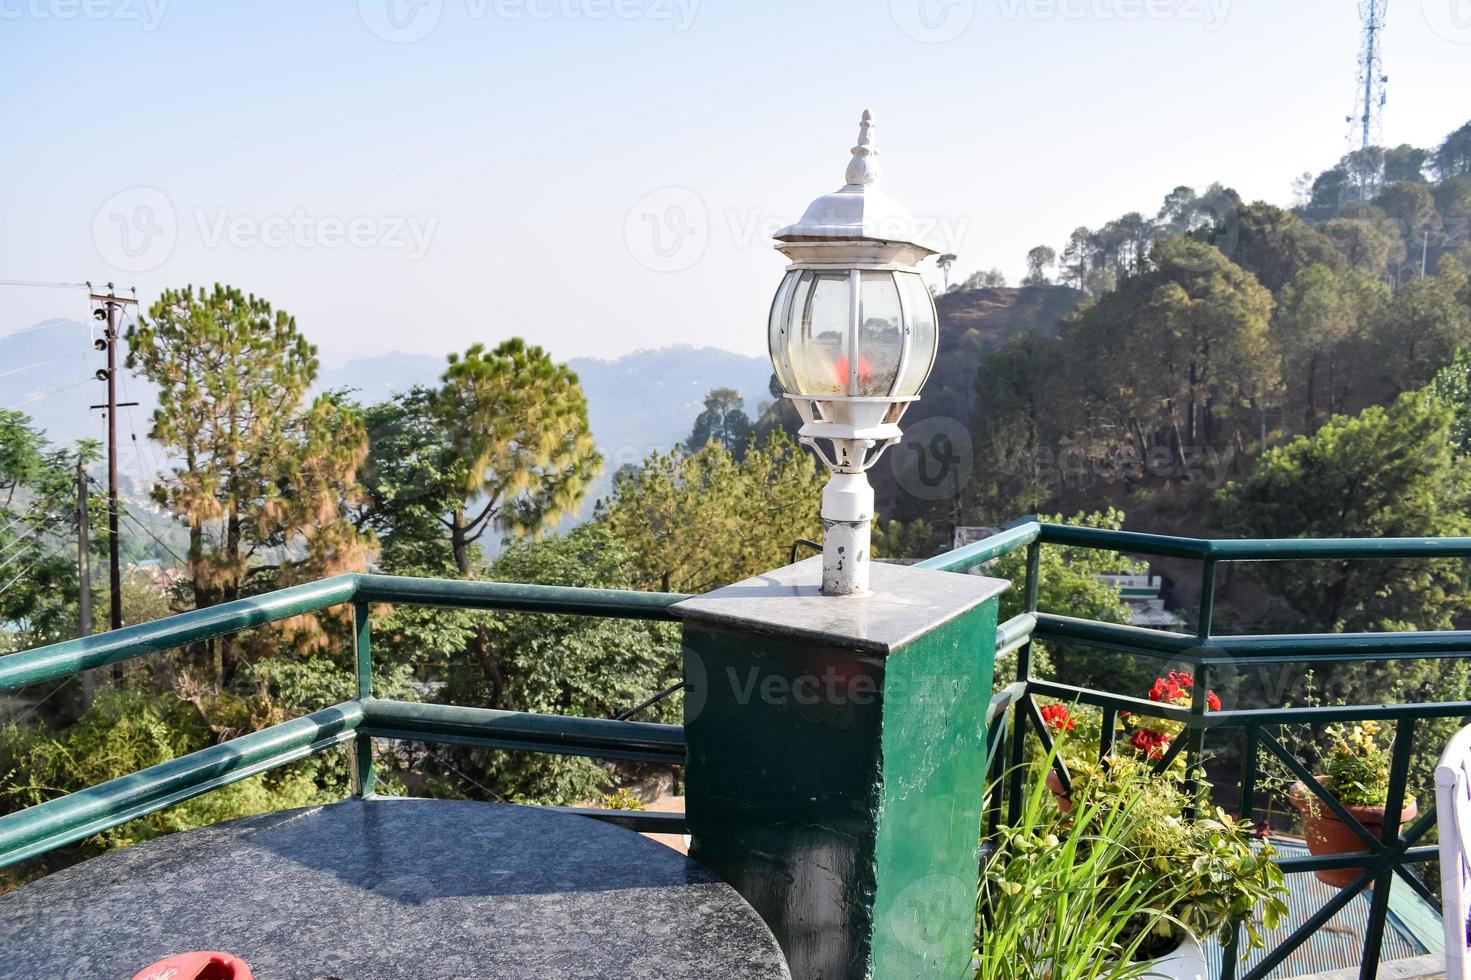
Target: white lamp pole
point(852, 335)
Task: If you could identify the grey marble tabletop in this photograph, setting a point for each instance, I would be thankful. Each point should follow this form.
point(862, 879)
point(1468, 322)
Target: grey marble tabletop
point(390, 888)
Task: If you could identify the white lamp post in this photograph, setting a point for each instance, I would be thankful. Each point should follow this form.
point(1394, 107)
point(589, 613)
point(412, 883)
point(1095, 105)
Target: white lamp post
point(852, 336)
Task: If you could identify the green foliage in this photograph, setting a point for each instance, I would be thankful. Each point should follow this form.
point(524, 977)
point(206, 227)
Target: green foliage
point(696, 521)
point(412, 483)
point(518, 421)
point(1322, 321)
point(265, 474)
point(566, 665)
point(897, 539)
point(1050, 902)
point(1069, 586)
point(1412, 206)
point(1405, 163)
point(1039, 260)
point(1453, 156)
point(1275, 245)
point(1358, 766)
point(1451, 386)
point(723, 421)
point(1017, 422)
point(621, 800)
point(1165, 383)
point(1363, 244)
point(412, 480)
point(38, 506)
point(1389, 472)
point(1175, 361)
point(123, 732)
point(983, 279)
point(1091, 892)
point(503, 444)
point(1425, 324)
point(1205, 873)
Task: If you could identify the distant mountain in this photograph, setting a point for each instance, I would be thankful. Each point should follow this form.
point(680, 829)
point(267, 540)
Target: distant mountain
point(47, 371)
point(637, 403)
point(379, 378)
point(648, 400)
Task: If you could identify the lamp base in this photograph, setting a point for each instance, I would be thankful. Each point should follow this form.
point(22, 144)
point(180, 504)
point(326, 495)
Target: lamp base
point(847, 528)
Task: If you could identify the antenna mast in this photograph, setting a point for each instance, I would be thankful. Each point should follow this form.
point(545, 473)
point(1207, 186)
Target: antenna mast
point(1368, 109)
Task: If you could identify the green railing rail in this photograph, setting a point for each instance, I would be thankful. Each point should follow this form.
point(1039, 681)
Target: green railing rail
point(1014, 714)
point(1395, 852)
point(356, 723)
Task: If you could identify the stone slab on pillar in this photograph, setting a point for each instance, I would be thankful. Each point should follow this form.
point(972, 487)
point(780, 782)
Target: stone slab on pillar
point(837, 756)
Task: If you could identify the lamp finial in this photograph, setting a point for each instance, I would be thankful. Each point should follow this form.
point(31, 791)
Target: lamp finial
point(864, 167)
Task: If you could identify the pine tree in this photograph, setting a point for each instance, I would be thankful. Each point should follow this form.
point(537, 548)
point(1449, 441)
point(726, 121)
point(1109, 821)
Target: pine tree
point(265, 476)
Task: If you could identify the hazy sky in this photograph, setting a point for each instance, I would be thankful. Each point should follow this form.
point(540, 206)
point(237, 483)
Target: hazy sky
point(603, 175)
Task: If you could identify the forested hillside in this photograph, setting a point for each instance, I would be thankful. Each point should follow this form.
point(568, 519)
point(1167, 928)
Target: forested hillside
point(1146, 363)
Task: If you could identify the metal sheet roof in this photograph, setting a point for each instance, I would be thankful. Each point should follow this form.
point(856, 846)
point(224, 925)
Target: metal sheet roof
point(1413, 928)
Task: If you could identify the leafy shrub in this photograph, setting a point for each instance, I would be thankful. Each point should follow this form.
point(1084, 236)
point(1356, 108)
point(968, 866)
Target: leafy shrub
point(1056, 897)
point(1204, 871)
point(123, 732)
point(1358, 767)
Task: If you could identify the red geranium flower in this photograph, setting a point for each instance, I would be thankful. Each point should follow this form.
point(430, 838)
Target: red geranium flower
point(1175, 689)
point(1056, 716)
point(1151, 743)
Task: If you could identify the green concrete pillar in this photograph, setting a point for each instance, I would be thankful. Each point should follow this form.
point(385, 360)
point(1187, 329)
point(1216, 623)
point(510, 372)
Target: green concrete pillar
point(837, 751)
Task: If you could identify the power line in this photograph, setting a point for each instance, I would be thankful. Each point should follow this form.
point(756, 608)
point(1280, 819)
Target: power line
point(17, 546)
point(40, 283)
point(159, 541)
point(44, 325)
point(35, 707)
point(44, 501)
point(29, 367)
point(35, 524)
point(55, 391)
point(40, 558)
point(143, 527)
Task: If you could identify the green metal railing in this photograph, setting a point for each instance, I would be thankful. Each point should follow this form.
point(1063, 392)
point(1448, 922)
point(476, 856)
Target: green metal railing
point(355, 723)
point(1394, 852)
point(1014, 713)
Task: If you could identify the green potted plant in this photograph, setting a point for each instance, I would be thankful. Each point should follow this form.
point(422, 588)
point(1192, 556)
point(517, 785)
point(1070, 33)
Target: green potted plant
point(1358, 777)
point(1206, 871)
point(1052, 904)
point(1203, 872)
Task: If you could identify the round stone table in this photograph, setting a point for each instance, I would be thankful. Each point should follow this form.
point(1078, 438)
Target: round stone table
point(390, 888)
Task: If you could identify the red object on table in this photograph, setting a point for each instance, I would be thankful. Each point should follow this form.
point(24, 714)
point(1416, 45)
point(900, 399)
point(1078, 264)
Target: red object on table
point(196, 966)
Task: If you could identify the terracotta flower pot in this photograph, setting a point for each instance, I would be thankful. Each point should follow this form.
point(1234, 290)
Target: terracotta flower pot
point(1054, 783)
point(1326, 834)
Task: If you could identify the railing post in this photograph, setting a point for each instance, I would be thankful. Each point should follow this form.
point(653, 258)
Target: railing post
point(1231, 955)
point(1195, 746)
point(364, 776)
point(1016, 792)
point(1399, 777)
point(837, 762)
point(1207, 598)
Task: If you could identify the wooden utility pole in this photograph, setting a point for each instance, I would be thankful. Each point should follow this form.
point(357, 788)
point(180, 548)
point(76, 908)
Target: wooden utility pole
point(84, 576)
point(111, 304)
